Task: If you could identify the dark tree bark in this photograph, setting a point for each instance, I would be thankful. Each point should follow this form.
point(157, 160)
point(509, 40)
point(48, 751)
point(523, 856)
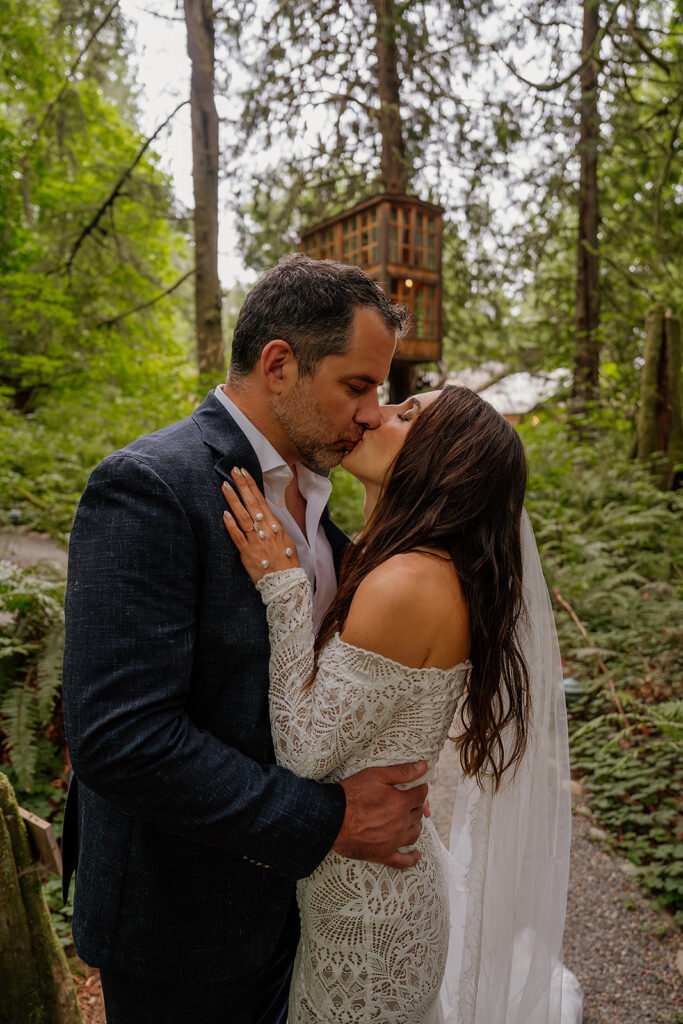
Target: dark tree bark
point(660, 423)
point(587, 341)
point(402, 376)
point(200, 47)
point(394, 177)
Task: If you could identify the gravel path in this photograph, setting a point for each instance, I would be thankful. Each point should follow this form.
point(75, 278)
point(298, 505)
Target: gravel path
point(628, 957)
point(27, 548)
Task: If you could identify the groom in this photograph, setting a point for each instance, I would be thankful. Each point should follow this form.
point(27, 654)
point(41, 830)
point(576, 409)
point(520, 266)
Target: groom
point(185, 836)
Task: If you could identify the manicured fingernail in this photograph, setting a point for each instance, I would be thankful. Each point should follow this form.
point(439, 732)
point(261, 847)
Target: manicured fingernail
point(244, 472)
point(236, 471)
point(226, 515)
point(227, 487)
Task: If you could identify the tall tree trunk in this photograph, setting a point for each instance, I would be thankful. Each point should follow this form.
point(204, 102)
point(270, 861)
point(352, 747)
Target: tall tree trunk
point(402, 376)
point(660, 421)
point(394, 177)
point(200, 47)
point(587, 341)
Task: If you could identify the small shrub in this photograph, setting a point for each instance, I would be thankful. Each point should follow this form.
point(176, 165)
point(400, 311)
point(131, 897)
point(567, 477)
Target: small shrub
point(346, 502)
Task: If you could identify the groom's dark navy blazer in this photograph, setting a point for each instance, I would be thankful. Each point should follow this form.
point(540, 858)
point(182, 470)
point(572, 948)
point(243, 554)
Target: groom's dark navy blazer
point(185, 836)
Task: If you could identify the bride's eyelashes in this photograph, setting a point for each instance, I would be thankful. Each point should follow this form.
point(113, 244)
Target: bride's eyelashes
point(408, 416)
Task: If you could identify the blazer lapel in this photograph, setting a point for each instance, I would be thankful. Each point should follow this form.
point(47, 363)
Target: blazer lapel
point(220, 432)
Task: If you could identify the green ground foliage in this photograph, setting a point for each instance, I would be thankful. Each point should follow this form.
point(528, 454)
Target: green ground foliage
point(612, 547)
point(49, 453)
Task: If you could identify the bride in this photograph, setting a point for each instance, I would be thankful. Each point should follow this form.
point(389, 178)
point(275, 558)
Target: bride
point(441, 621)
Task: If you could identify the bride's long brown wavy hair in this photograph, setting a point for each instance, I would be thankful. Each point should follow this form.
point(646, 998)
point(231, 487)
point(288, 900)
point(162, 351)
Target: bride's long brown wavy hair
point(457, 485)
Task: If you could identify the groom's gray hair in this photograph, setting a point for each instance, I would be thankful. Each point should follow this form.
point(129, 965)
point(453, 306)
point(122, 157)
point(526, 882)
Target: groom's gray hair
point(310, 304)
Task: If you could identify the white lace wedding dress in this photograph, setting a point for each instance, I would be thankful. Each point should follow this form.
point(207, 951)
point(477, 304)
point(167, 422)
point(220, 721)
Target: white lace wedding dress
point(374, 940)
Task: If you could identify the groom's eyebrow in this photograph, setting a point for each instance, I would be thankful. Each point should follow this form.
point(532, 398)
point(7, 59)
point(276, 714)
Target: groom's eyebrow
point(365, 378)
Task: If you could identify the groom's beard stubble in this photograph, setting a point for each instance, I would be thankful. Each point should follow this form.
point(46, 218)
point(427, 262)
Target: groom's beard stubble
point(308, 429)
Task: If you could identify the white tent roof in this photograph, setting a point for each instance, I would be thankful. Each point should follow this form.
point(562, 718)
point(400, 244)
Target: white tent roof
point(515, 394)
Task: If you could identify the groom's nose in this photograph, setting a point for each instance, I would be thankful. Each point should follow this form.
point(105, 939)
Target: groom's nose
point(368, 413)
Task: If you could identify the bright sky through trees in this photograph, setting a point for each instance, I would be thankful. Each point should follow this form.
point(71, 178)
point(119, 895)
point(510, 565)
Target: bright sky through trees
point(163, 76)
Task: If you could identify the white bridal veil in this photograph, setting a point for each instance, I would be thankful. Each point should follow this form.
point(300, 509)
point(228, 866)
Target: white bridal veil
point(508, 864)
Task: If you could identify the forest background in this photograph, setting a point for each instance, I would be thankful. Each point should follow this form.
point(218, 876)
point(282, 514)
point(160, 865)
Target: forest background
point(551, 135)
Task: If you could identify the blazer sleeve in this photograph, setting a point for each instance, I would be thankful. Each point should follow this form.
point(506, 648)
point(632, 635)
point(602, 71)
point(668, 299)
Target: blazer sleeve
point(130, 632)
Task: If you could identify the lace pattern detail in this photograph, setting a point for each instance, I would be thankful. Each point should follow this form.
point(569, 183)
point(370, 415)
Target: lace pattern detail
point(374, 940)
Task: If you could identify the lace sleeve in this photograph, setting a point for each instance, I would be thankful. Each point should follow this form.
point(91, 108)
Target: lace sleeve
point(354, 693)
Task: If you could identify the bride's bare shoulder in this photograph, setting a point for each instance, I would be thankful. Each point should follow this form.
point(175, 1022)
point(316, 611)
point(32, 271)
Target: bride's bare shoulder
point(411, 608)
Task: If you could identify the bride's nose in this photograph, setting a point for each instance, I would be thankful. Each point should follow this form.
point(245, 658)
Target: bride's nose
point(387, 411)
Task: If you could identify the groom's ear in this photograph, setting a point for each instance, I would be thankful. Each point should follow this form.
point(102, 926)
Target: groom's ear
point(279, 367)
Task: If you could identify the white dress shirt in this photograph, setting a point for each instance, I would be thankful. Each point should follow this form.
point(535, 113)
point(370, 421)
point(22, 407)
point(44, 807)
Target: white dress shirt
point(314, 551)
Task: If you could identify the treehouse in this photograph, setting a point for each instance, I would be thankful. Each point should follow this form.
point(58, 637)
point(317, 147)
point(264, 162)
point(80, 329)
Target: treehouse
point(396, 239)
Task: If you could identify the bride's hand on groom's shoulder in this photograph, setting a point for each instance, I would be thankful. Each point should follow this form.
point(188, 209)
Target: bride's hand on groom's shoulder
point(261, 540)
point(380, 818)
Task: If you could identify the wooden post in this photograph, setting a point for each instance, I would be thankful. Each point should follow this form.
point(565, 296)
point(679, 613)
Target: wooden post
point(36, 986)
point(660, 426)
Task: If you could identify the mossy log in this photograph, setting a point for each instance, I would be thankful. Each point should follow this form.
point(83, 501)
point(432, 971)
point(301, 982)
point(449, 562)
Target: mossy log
point(36, 986)
point(660, 425)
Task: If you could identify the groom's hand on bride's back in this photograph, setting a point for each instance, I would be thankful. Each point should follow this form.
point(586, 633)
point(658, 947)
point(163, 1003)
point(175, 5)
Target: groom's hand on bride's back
point(380, 818)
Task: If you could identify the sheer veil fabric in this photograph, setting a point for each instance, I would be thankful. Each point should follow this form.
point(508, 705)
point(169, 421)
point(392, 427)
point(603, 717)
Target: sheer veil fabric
point(508, 863)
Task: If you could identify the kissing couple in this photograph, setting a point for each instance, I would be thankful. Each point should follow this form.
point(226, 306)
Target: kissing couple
point(255, 705)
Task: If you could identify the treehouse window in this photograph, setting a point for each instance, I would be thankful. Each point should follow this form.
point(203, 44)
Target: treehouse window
point(421, 300)
point(326, 249)
point(351, 240)
point(399, 235)
point(369, 239)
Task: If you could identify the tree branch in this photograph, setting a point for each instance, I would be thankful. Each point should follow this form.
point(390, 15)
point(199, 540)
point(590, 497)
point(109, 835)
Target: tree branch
point(162, 17)
point(635, 36)
point(113, 195)
point(145, 305)
point(590, 55)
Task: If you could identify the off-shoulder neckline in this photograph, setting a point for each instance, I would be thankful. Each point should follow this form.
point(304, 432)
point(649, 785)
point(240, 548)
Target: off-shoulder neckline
point(431, 669)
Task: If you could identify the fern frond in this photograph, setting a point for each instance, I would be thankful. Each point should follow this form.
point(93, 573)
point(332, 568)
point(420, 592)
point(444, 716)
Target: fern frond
point(19, 720)
point(49, 671)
